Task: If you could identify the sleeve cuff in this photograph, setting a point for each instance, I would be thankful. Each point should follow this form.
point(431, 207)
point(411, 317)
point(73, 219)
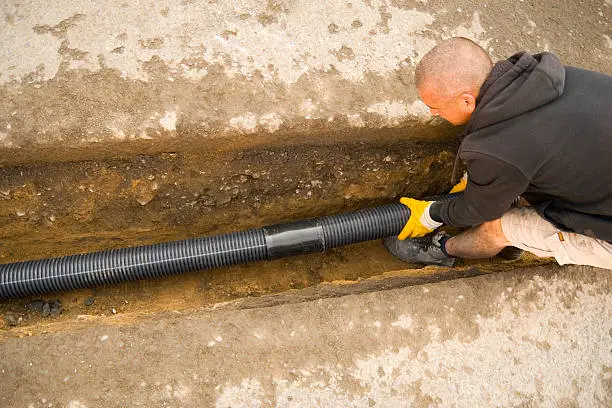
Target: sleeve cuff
point(427, 221)
point(435, 211)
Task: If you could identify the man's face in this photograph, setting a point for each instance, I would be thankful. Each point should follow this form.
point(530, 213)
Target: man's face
point(455, 110)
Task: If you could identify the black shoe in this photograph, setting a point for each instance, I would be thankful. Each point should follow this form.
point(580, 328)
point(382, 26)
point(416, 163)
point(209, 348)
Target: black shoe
point(425, 250)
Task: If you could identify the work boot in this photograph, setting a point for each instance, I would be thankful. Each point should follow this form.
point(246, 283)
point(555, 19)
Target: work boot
point(511, 253)
point(425, 249)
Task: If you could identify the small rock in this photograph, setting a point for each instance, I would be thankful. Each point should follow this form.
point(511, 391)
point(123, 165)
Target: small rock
point(208, 201)
point(223, 198)
point(144, 199)
point(46, 310)
point(56, 307)
point(36, 305)
point(10, 319)
point(144, 191)
point(89, 301)
point(114, 310)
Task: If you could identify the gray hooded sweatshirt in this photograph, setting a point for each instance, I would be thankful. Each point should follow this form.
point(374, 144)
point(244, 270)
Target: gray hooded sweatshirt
point(544, 131)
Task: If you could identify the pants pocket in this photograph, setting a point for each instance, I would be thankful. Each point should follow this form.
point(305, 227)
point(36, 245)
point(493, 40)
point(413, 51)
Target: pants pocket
point(558, 247)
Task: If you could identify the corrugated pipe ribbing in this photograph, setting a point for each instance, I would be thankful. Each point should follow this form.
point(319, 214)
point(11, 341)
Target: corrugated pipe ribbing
point(100, 268)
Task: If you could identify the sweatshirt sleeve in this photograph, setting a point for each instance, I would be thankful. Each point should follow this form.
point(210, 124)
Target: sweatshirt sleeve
point(491, 188)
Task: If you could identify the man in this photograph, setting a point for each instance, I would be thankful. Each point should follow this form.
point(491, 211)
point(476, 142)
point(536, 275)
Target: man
point(534, 128)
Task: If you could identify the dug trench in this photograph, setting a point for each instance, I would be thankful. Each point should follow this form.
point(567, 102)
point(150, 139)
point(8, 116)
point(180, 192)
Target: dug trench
point(62, 208)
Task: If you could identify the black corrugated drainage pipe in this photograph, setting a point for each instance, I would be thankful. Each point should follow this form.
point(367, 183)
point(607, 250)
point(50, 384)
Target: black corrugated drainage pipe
point(300, 237)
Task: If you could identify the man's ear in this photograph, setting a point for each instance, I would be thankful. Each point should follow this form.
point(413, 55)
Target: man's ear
point(468, 102)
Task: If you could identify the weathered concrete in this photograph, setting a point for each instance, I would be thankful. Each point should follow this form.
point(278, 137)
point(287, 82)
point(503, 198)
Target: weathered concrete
point(532, 338)
point(88, 79)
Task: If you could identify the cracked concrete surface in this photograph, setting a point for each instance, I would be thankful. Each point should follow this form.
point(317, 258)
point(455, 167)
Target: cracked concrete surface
point(111, 76)
point(531, 338)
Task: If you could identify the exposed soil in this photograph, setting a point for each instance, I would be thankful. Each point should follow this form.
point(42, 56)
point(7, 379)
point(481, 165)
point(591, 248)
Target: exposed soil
point(120, 303)
point(60, 209)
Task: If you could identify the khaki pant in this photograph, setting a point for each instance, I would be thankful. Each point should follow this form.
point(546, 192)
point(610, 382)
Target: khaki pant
point(527, 230)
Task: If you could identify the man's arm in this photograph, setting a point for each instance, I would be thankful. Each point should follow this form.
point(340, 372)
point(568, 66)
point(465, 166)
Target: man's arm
point(491, 188)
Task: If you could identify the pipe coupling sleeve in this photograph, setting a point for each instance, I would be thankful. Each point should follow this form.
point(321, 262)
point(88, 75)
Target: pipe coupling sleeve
point(294, 238)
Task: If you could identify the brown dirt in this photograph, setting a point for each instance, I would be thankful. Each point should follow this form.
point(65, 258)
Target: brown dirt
point(58, 209)
point(61, 208)
point(133, 300)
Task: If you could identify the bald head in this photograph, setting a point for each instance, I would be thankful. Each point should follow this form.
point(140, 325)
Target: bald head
point(454, 66)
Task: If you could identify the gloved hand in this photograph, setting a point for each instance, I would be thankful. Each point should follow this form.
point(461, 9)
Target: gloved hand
point(461, 185)
point(420, 222)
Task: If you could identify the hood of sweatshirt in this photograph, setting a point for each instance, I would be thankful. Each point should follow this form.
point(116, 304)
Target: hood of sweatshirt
point(517, 85)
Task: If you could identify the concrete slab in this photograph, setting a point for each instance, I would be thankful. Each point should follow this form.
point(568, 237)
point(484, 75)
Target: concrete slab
point(530, 338)
point(87, 79)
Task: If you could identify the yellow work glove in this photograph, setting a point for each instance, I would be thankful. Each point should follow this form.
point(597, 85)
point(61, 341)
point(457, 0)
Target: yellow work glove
point(420, 222)
point(461, 185)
